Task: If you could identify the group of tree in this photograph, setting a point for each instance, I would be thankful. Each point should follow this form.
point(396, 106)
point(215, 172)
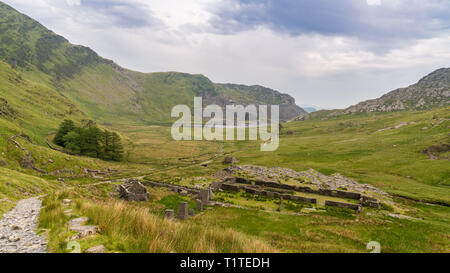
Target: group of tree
point(89, 141)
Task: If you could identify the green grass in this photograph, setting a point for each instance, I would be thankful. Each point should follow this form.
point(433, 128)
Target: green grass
point(133, 229)
point(15, 186)
point(47, 80)
point(350, 145)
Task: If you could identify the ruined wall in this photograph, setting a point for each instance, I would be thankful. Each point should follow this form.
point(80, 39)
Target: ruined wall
point(342, 205)
point(272, 194)
point(286, 191)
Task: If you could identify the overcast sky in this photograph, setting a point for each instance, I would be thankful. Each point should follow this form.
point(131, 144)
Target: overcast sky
point(329, 53)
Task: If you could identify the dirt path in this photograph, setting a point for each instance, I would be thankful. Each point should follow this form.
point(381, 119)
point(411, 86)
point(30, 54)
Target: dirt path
point(18, 229)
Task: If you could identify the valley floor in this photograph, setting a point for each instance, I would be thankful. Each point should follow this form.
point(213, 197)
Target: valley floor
point(368, 148)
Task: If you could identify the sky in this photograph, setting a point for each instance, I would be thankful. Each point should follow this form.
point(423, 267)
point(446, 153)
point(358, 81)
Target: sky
point(328, 53)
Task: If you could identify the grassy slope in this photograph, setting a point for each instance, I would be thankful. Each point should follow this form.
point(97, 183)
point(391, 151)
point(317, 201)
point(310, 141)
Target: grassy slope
point(350, 145)
point(391, 159)
point(37, 109)
point(102, 89)
point(139, 227)
point(15, 185)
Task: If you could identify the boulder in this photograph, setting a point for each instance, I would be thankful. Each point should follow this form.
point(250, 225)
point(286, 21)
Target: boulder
point(230, 160)
point(66, 202)
point(3, 163)
point(133, 190)
point(78, 221)
point(97, 249)
point(27, 161)
point(84, 231)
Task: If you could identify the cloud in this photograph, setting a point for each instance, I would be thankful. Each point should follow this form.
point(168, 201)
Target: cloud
point(320, 52)
point(73, 2)
point(128, 14)
point(394, 21)
point(373, 2)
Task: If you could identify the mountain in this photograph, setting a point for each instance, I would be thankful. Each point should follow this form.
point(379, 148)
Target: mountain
point(310, 108)
point(431, 91)
point(107, 92)
point(31, 108)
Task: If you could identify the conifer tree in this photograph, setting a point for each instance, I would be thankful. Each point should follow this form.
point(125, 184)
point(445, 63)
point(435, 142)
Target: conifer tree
point(116, 147)
point(72, 142)
point(65, 127)
point(89, 141)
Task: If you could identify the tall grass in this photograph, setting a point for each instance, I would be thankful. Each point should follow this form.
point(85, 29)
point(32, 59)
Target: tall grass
point(139, 231)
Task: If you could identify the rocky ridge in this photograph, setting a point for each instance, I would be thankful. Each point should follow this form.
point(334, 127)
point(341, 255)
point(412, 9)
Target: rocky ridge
point(431, 91)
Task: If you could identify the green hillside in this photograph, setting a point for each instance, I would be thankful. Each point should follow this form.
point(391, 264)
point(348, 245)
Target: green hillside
point(31, 108)
point(107, 92)
point(44, 80)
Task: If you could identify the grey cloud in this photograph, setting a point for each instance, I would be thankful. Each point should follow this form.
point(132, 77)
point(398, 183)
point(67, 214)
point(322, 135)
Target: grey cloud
point(391, 22)
point(126, 14)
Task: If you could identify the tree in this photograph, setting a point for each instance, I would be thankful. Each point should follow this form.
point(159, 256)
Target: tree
point(106, 145)
point(116, 148)
point(89, 141)
point(72, 142)
point(65, 127)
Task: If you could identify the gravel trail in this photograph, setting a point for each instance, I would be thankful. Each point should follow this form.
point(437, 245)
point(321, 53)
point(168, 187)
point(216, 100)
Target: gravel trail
point(18, 229)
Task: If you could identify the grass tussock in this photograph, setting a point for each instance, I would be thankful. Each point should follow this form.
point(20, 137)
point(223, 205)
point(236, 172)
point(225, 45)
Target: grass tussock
point(137, 230)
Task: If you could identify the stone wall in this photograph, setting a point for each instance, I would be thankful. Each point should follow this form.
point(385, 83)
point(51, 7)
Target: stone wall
point(342, 205)
point(133, 191)
point(369, 202)
point(171, 186)
point(332, 193)
point(250, 190)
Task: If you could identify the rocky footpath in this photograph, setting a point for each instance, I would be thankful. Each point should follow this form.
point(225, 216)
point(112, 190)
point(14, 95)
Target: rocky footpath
point(18, 229)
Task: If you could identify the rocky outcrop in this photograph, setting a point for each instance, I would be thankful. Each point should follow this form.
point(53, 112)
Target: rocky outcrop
point(230, 160)
point(133, 190)
point(6, 110)
point(434, 151)
point(431, 91)
point(256, 95)
point(27, 161)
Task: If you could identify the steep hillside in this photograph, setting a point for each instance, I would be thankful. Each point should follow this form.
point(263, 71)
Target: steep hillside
point(31, 108)
point(431, 91)
point(107, 92)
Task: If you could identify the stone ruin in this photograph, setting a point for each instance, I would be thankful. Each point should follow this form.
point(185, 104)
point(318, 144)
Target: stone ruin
point(133, 190)
point(205, 196)
point(183, 211)
point(169, 214)
point(287, 192)
point(199, 205)
point(311, 177)
point(267, 182)
point(230, 160)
